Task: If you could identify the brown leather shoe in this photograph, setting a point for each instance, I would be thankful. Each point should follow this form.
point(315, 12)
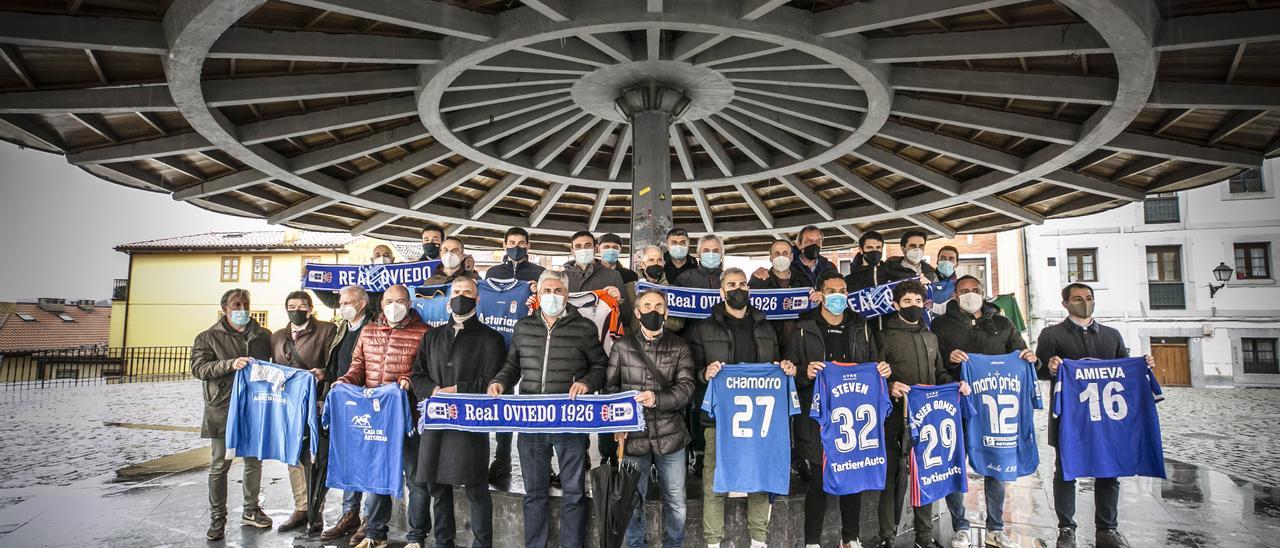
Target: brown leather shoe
point(347, 524)
point(359, 535)
point(296, 520)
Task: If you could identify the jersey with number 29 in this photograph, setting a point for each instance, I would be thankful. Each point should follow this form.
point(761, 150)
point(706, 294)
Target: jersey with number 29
point(1108, 424)
point(937, 449)
point(850, 403)
point(1002, 433)
point(752, 405)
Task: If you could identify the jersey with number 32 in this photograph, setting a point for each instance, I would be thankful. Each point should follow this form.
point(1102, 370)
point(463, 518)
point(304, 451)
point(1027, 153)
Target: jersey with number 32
point(850, 403)
point(752, 405)
point(1108, 424)
point(936, 415)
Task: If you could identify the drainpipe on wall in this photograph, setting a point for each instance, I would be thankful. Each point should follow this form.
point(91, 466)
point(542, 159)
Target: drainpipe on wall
point(128, 298)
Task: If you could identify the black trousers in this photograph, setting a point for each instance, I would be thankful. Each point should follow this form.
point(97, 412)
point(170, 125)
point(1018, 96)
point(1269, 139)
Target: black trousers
point(1106, 499)
point(445, 527)
point(815, 509)
point(896, 487)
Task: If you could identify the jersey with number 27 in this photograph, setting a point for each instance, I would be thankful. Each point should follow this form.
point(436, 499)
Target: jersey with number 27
point(752, 405)
point(850, 403)
point(1002, 433)
point(937, 450)
point(1108, 427)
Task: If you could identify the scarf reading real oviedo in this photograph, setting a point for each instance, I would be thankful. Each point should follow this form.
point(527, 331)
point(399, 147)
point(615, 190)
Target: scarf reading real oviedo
point(534, 413)
point(374, 278)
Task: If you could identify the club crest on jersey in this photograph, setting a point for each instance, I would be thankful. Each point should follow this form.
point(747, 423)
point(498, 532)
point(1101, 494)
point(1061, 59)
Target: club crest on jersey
point(320, 276)
point(360, 421)
point(512, 309)
point(616, 412)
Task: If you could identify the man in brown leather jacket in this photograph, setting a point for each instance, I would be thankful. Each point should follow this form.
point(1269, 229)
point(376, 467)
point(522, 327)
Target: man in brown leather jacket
point(385, 354)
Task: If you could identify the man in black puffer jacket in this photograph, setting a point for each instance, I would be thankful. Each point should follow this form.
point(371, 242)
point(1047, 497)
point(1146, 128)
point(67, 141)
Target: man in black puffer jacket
point(658, 364)
point(736, 332)
point(553, 351)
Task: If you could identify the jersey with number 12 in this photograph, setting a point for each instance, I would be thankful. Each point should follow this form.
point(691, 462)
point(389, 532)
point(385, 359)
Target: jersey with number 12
point(850, 403)
point(1108, 424)
point(752, 405)
point(1002, 434)
point(937, 449)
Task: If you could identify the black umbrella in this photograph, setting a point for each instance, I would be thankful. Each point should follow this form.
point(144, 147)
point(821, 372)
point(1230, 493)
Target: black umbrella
point(613, 490)
point(317, 473)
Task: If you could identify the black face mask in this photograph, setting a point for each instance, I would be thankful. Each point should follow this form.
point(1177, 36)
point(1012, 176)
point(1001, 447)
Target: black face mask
point(517, 253)
point(431, 250)
point(298, 317)
point(653, 271)
point(652, 320)
point(737, 299)
point(811, 251)
point(911, 313)
point(462, 305)
point(872, 258)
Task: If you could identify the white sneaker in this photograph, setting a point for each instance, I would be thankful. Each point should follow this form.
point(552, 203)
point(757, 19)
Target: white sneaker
point(855, 544)
point(813, 546)
point(413, 545)
point(999, 539)
point(961, 540)
point(758, 544)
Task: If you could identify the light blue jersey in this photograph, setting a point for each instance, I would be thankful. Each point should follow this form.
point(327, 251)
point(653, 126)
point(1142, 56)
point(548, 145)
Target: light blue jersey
point(1002, 433)
point(367, 430)
point(432, 304)
point(752, 405)
point(271, 405)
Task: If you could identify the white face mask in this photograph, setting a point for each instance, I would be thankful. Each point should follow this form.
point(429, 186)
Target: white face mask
point(915, 255)
point(347, 312)
point(584, 256)
point(381, 260)
point(552, 304)
point(394, 312)
point(970, 302)
point(781, 263)
point(450, 261)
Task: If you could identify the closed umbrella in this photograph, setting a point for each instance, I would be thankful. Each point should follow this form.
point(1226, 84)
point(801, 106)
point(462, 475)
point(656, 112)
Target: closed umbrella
point(613, 490)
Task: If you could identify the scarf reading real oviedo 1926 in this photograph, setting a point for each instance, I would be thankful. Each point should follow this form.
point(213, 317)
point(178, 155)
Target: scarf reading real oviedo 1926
point(374, 278)
point(534, 413)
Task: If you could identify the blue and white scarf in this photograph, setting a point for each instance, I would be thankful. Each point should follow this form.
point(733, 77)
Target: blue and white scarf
point(535, 413)
point(374, 278)
point(776, 304)
point(877, 301)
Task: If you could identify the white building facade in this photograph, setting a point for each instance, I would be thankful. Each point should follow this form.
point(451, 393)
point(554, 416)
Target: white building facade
point(1151, 266)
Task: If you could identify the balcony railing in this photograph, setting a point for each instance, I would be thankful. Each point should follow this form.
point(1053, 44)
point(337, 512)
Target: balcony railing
point(93, 365)
point(120, 290)
point(1167, 295)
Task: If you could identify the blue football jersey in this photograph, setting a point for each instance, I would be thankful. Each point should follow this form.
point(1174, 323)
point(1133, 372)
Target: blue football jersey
point(1108, 426)
point(851, 403)
point(1001, 435)
point(432, 304)
point(752, 404)
point(367, 429)
point(502, 303)
point(271, 405)
point(936, 414)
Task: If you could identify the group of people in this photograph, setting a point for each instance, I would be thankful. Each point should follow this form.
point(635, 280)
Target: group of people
point(379, 339)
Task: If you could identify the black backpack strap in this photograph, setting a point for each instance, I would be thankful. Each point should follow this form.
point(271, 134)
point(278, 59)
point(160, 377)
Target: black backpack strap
point(648, 364)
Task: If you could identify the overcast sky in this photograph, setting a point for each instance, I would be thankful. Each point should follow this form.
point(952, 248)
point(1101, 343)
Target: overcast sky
point(58, 225)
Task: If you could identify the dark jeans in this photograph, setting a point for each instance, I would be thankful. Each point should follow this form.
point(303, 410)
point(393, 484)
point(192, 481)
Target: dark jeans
point(1106, 499)
point(815, 509)
point(993, 491)
point(446, 528)
point(419, 509)
point(502, 452)
point(535, 468)
point(697, 443)
point(895, 490)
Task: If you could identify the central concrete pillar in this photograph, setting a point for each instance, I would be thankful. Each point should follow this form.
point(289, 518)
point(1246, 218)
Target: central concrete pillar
point(650, 108)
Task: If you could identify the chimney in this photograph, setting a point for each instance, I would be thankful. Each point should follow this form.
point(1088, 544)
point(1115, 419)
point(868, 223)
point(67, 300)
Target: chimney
point(50, 304)
point(86, 305)
point(291, 236)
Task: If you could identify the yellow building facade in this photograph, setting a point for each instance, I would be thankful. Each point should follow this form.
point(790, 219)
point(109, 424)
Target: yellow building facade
point(175, 284)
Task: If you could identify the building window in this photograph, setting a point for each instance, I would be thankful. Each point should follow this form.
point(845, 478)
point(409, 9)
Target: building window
point(231, 269)
point(1082, 265)
point(1160, 210)
point(1245, 182)
point(1253, 261)
point(262, 269)
point(309, 259)
point(259, 316)
point(1164, 277)
point(1259, 356)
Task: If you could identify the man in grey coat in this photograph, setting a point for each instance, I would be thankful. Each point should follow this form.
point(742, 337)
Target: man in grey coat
point(216, 355)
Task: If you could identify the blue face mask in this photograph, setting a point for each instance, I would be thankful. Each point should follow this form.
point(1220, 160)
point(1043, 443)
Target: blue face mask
point(610, 255)
point(946, 268)
point(551, 304)
point(710, 259)
point(835, 303)
point(239, 318)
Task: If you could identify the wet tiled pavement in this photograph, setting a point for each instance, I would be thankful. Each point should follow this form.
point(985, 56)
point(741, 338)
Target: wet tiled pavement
point(1207, 500)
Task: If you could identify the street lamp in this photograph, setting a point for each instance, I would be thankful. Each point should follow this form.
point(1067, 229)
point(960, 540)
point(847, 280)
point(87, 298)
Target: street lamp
point(1222, 273)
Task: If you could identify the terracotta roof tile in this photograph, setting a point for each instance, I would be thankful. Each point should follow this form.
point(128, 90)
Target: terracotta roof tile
point(48, 331)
